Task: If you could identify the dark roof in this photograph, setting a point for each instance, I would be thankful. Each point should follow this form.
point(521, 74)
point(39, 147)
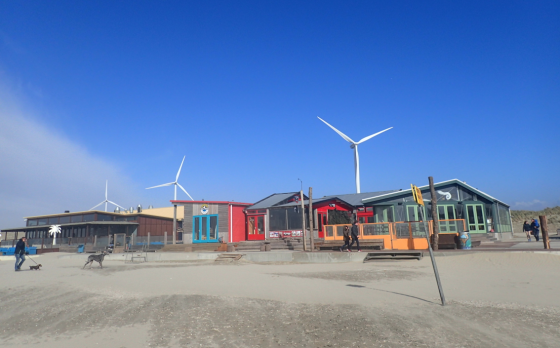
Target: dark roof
point(353, 199)
point(272, 200)
point(436, 185)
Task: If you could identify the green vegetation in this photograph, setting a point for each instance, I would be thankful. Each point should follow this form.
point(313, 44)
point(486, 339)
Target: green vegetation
point(552, 215)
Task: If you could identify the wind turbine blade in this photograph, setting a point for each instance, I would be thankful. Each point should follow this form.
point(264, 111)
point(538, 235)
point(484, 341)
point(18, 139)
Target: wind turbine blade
point(168, 184)
point(179, 172)
point(116, 205)
point(185, 191)
point(106, 185)
point(344, 136)
point(97, 205)
point(371, 136)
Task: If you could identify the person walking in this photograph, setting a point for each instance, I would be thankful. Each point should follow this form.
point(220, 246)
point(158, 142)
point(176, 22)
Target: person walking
point(20, 253)
point(346, 238)
point(527, 230)
point(535, 228)
point(354, 233)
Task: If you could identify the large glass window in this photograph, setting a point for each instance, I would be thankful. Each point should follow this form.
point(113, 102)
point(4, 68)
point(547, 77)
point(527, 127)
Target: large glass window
point(76, 218)
point(89, 217)
point(31, 222)
point(278, 220)
point(42, 221)
point(64, 219)
point(53, 221)
point(213, 227)
point(104, 217)
point(337, 217)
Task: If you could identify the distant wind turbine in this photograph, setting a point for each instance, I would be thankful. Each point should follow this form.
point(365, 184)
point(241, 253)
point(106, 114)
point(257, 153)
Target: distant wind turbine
point(354, 145)
point(106, 200)
point(176, 183)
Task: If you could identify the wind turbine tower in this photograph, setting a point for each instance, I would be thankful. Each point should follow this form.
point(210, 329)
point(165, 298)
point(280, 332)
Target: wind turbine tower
point(354, 145)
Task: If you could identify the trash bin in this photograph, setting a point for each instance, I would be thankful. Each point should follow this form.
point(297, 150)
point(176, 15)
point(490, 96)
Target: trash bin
point(81, 248)
point(464, 240)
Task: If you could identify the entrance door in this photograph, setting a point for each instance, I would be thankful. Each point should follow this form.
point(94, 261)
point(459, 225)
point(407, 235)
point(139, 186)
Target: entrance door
point(322, 219)
point(205, 229)
point(255, 227)
point(475, 218)
point(413, 214)
point(447, 212)
point(383, 214)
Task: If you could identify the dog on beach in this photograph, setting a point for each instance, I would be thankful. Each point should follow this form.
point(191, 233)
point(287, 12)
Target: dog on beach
point(36, 268)
point(99, 258)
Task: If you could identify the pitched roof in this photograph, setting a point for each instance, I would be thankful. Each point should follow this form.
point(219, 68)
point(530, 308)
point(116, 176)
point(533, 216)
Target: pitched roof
point(272, 200)
point(353, 199)
point(423, 188)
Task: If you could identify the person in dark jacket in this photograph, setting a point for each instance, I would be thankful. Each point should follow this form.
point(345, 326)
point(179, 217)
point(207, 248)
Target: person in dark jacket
point(527, 230)
point(346, 238)
point(354, 233)
point(20, 253)
point(535, 228)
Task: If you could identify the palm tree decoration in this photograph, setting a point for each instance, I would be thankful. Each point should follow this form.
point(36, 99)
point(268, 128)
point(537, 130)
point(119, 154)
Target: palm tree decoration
point(53, 231)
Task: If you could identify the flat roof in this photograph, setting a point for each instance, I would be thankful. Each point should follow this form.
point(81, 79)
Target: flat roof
point(71, 224)
point(210, 202)
point(146, 212)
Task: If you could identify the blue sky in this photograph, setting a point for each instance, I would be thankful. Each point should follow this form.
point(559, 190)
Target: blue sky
point(122, 91)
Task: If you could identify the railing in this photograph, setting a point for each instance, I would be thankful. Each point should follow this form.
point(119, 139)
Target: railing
point(397, 235)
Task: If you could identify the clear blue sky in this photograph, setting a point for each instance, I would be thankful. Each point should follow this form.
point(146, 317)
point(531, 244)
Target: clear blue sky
point(123, 90)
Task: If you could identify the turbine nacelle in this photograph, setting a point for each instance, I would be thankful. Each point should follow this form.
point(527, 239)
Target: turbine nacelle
point(352, 146)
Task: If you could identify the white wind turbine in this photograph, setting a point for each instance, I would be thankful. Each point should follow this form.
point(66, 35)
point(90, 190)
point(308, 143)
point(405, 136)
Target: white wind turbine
point(354, 145)
point(106, 200)
point(176, 183)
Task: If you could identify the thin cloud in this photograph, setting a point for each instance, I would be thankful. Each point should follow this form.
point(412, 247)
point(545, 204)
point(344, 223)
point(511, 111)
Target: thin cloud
point(43, 172)
point(534, 204)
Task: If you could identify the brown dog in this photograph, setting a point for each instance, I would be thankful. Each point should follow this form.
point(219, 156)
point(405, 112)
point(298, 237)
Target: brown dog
point(38, 267)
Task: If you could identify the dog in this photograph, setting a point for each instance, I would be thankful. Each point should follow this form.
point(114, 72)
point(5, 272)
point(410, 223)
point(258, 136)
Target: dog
point(36, 268)
point(98, 257)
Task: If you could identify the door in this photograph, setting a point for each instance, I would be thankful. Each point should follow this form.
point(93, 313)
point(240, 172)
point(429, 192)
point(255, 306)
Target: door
point(383, 214)
point(255, 227)
point(447, 212)
point(475, 218)
point(205, 229)
point(322, 220)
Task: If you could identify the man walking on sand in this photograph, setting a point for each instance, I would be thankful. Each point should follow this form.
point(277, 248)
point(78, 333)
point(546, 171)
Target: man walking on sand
point(535, 228)
point(20, 253)
point(355, 233)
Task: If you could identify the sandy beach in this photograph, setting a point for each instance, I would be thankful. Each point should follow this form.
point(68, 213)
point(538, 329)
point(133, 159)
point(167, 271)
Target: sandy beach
point(495, 299)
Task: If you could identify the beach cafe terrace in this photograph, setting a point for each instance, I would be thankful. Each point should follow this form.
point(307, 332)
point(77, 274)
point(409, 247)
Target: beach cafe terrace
point(401, 224)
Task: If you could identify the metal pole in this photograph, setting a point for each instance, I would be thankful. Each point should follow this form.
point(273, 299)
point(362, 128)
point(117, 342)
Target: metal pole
point(434, 265)
point(311, 231)
point(174, 223)
point(303, 221)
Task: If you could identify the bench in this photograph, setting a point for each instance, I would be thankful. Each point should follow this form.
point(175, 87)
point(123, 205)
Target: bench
point(394, 254)
point(446, 241)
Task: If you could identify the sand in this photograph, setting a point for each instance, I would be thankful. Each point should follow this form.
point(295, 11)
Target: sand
point(508, 299)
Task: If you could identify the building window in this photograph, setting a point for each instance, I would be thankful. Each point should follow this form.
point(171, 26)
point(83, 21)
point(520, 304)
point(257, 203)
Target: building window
point(104, 217)
point(31, 222)
point(76, 218)
point(64, 219)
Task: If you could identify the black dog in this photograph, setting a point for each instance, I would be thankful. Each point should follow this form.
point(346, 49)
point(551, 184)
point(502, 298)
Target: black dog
point(99, 258)
point(37, 268)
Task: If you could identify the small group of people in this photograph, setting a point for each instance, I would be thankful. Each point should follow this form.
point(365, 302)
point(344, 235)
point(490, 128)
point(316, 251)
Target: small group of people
point(353, 234)
point(531, 229)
